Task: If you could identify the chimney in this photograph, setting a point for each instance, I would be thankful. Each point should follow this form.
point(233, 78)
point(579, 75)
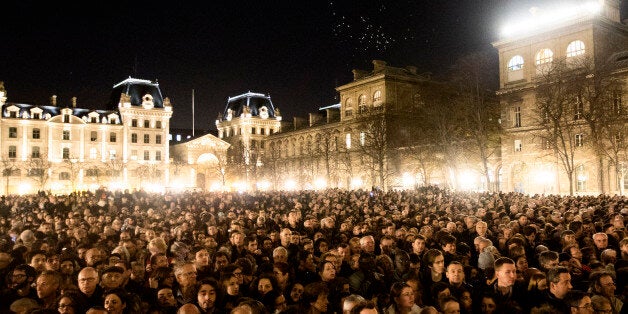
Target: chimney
point(74, 102)
point(378, 65)
point(53, 100)
point(412, 69)
point(358, 74)
point(315, 118)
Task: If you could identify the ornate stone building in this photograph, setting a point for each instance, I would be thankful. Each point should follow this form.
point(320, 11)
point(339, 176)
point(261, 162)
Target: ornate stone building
point(581, 51)
point(62, 148)
point(350, 144)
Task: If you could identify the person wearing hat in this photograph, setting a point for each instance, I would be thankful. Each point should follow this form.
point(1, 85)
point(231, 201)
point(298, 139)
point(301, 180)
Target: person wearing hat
point(112, 277)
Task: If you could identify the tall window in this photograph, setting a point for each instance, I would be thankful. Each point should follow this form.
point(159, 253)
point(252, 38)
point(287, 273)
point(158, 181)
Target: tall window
point(133, 137)
point(579, 141)
point(515, 63)
point(518, 145)
point(93, 119)
point(12, 132)
point(581, 178)
point(158, 124)
point(12, 151)
point(93, 136)
point(617, 101)
point(377, 96)
point(112, 137)
point(517, 117)
point(158, 155)
point(36, 133)
point(544, 55)
point(66, 135)
point(348, 140)
point(134, 123)
point(146, 124)
point(362, 138)
point(146, 138)
point(93, 153)
point(575, 48)
point(146, 155)
point(66, 153)
point(362, 103)
point(579, 109)
point(35, 152)
point(158, 139)
point(64, 175)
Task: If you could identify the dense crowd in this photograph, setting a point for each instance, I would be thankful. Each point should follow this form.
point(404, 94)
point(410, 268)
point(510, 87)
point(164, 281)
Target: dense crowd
point(423, 251)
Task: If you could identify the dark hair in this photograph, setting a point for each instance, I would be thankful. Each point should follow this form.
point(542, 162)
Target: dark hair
point(573, 297)
point(363, 305)
point(312, 291)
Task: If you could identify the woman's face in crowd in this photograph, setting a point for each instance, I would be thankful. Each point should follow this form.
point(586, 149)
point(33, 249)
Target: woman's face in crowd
point(406, 298)
point(264, 286)
point(439, 264)
point(114, 304)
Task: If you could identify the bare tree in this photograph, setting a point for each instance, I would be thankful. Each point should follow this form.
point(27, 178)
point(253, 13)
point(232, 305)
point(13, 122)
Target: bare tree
point(74, 166)
point(374, 145)
point(481, 110)
point(39, 170)
point(557, 112)
point(10, 167)
point(114, 168)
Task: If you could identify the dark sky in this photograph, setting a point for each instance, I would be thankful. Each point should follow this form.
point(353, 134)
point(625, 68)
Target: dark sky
point(297, 51)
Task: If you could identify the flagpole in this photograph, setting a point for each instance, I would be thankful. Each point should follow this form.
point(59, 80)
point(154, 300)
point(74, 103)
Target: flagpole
point(192, 112)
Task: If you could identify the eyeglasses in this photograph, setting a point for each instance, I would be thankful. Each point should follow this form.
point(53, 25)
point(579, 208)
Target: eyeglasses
point(237, 274)
point(19, 276)
point(188, 274)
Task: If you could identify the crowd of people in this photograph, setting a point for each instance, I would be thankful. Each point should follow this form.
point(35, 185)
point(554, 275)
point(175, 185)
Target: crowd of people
point(427, 250)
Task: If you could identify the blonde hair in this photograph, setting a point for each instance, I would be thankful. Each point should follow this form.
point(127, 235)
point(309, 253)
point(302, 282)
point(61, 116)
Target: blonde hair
point(157, 245)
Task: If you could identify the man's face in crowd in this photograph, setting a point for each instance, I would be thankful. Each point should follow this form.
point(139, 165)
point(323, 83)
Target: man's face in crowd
point(506, 275)
point(455, 273)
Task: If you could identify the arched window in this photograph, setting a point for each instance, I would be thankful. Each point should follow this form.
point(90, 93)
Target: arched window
point(377, 96)
point(515, 63)
point(575, 48)
point(362, 103)
point(544, 55)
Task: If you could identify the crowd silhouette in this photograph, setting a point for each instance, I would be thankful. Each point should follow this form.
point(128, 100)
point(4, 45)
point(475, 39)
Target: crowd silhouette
point(428, 250)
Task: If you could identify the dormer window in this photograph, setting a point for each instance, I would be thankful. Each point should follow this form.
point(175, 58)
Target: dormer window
point(36, 115)
point(12, 114)
point(94, 119)
point(66, 118)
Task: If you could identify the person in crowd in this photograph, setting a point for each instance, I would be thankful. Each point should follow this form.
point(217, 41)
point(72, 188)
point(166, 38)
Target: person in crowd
point(603, 283)
point(402, 300)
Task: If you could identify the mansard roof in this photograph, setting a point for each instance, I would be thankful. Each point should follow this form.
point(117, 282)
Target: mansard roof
point(25, 111)
point(136, 89)
point(254, 102)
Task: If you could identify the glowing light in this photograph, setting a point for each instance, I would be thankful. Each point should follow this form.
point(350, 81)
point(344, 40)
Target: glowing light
point(154, 187)
point(543, 18)
point(467, 180)
point(320, 184)
point(24, 188)
point(407, 179)
point(290, 185)
point(215, 186)
point(263, 185)
point(543, 177)
point(239, 186)
point(356, 183)
point(117, 186)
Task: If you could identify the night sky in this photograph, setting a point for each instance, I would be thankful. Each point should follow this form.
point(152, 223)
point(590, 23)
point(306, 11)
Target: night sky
point(296, 51)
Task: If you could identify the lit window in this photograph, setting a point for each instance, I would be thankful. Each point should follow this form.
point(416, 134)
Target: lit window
point(348, 140)
point(518, 145)
point(581, 179)
point(362, 103)
point(377, 96)
point(575, 48)
point(544, 56)
point(362, 138)
point(579, 110)
point(134, 154)
point(35, 152)
point(579, 140)
point(515, 63)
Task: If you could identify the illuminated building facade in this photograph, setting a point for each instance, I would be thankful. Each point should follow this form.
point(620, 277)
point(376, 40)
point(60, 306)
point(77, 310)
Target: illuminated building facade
point(246, 122)
point(336, 148)
point(62, 148)
point(586, 37)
